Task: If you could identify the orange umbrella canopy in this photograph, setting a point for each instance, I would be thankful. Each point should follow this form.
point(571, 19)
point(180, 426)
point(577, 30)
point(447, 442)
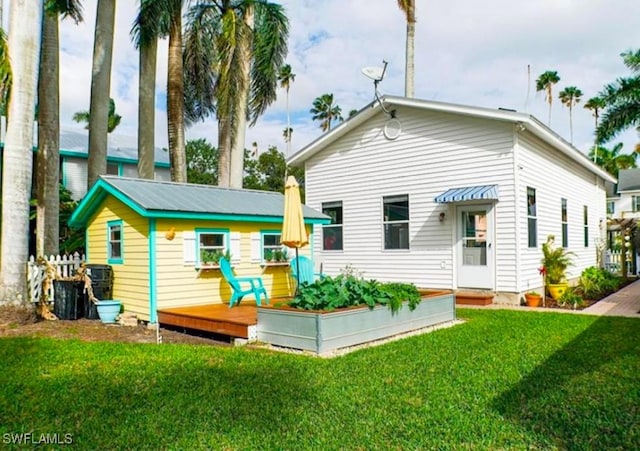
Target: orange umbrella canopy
point(294, 233)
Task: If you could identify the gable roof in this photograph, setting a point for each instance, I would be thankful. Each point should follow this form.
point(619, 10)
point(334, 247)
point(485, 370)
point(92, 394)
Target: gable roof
point(158, 199)
point(527, 121)
point(629, 180)
point(120, 148)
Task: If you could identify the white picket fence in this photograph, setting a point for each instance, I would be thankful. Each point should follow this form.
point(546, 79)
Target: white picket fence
point(613, 262)
point(65, 266)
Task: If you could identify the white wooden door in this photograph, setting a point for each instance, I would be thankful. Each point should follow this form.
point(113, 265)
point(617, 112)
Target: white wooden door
point(475, 247)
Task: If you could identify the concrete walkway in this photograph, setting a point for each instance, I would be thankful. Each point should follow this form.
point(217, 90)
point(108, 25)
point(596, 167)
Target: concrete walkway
point(625, 302)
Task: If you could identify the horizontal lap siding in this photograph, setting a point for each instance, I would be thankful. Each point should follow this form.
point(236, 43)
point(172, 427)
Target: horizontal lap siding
point(433, 153)
point(131, 278)
point(554, 176)
point(181, 284)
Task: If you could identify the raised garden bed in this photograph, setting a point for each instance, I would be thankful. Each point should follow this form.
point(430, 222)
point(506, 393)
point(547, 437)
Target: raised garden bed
point(322, 331)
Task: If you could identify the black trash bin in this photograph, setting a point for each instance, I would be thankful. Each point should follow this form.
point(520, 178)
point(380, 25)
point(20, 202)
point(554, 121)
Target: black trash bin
point(67, 303)
point(102, 285)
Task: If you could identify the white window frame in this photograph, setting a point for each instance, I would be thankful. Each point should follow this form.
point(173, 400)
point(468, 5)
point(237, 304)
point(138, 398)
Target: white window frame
point(388, 222)
point(334, 225)
point(199, 247)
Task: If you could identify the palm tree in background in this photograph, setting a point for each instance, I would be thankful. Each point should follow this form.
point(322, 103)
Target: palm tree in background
point(5, 74)
point(286, 77)
point(160, 19)
point(569, 97)
point(100, 88)
point(595, 105)
point(113, 119)
point(325, 111)
point(17, 160)
point(233, 53)
point(612, 160)
point(144, 34)
point(545, 83)
point(47, 169)
point(622, 98)
point(409, 9)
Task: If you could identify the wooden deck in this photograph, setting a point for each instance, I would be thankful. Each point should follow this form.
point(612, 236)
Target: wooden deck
point(239, 321)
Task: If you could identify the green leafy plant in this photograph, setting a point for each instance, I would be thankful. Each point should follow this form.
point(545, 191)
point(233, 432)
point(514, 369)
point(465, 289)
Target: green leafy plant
point(555, 261)
point(533, 293)
point(268, 255)
point(571, 297)
point(343, 291)
point(213, 257)
point(597, 282)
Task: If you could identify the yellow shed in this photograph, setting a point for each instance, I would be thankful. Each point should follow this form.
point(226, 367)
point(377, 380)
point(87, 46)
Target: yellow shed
point(157, 235)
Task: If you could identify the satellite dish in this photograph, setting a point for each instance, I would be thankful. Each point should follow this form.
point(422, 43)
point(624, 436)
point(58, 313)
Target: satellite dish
point(374, 73)
point(377, 74)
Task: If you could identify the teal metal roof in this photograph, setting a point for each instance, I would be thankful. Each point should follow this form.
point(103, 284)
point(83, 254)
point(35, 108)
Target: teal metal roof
point(483, 192)
point(158, 199)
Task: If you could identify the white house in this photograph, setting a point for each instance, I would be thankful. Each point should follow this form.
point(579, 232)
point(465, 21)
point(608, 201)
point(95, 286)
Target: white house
point(451, 196)
point(122, 160)
point(623, 199)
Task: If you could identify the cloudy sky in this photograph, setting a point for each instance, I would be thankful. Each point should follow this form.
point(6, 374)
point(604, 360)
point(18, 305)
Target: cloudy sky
point(467, 52)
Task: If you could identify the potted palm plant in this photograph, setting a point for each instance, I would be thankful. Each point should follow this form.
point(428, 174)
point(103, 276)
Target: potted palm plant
point(555, 261)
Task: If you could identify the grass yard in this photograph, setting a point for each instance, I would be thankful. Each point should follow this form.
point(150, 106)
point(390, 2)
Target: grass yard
point(502, 380)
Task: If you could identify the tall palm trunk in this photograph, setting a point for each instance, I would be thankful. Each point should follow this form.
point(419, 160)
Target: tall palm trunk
point(240, 125)
point(48, 155)
point(100, 89)
point(146, 109)
point(224, 151)
point(410, 53)
point(175, 103)
point(24, 47)
point(571, 121)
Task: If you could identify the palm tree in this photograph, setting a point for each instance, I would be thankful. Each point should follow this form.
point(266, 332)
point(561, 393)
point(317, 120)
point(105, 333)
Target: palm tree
point(545, 83)
point(17, 163)
point(113, 119)
point(409, 9)
point(159, 19)
point(48, 155)
point(145, 36)
point(286, 77)
point(623, 101)
point(325, 111)
point(100, 88)
point(5, 74)
point(233, 52)
point(569, 97)
point(595, 104)
point(612, 160)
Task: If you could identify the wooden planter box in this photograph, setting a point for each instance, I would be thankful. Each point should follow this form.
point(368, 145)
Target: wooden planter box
point(323, 332)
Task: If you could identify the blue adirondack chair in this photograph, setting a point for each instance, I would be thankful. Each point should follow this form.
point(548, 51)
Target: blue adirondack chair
point(254, 285)
point(302, 271)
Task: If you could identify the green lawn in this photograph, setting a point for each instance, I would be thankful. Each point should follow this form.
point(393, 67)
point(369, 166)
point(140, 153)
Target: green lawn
point(503, 379)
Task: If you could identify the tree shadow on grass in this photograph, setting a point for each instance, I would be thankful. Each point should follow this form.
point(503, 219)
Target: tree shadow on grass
point(586, 395)
point(201, 399)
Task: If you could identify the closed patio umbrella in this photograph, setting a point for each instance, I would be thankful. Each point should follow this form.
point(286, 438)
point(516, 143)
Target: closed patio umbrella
point(294, 233)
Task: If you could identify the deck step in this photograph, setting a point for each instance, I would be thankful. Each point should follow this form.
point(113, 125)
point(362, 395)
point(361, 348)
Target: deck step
point(474, 297)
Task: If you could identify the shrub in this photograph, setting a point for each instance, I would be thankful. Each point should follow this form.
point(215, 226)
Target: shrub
point(342, 291)
point(555, 261)
point(571, 297)
point(596, 282)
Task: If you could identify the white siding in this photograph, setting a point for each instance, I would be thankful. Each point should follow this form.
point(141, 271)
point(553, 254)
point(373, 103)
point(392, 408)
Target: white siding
point(554, 177)
point(434, 152)
point(74, 176)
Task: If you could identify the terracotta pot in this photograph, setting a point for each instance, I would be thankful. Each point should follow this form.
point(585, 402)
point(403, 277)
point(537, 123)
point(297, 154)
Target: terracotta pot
point(557, 289)
point(533, 300)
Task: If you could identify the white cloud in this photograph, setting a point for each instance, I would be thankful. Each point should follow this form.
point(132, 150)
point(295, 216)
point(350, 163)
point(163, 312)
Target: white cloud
point(469, 52)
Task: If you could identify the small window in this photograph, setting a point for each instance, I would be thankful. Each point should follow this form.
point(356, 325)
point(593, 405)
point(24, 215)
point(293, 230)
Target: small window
point(586, 226)
point(332, 233)
point(395, 221)
point(635, 203)
point(565, 224)
point(211, 245)
point(532, 217)
point(272, 248)
point(114, 246)
point(113, 169)
point(611, 207)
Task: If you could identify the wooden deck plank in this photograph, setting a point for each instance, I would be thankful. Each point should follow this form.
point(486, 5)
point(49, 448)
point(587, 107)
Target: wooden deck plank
point(216, 318)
